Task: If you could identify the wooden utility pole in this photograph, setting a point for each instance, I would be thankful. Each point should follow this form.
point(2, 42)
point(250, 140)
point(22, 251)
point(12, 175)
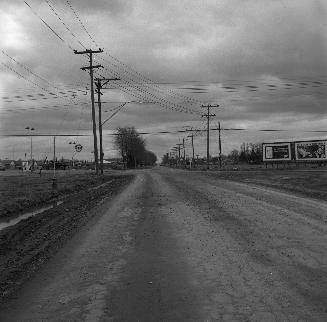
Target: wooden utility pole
point(90, 53)
point(184, 152)
point(192, 136)
point(54, 179)
point(208, 115)
point(179, 152)
point(219, 138)
point(100, 83)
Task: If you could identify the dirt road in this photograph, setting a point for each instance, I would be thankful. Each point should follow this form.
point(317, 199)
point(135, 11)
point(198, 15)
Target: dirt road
point(181, 246)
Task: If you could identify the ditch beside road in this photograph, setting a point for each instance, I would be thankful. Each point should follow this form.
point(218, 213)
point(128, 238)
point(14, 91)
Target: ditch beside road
point(176, 245)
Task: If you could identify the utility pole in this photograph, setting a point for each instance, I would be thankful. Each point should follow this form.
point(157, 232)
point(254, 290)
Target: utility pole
point(208, 115)
point(184, 152)
point(54, 180)
point(90, 53)
point(30, 129)
point(32, 163)
point(192, 136)
point(99, 85)
point(179, 152)
point(174, 153)
point(219, 145)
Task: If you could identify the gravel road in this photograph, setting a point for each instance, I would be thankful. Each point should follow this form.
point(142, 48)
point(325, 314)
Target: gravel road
point(183, 246)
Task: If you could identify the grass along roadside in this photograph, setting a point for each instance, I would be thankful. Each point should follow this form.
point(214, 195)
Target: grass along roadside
point(25, 247)
point(312, 184)
point(20, 192)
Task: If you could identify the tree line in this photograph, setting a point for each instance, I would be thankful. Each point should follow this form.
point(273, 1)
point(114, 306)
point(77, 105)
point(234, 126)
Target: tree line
point(250, 153)
point(132, 148)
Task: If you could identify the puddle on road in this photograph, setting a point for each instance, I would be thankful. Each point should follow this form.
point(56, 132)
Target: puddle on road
point(16, 220)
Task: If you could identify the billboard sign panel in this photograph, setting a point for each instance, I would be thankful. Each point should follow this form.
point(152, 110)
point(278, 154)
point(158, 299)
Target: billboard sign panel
point(276, 151)
point(311, 150)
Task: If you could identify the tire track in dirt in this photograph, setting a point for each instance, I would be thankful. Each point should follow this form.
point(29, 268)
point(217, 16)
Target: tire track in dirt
point(155, 286)
point(290, 251)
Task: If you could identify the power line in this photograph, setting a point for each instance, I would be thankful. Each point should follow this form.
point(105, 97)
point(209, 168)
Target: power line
point(158, 100)
point(181, 131)
point(128, 69)
point(80, 21)
point(51, 6)
point(28, 80)
point(178, 108)
point(144, 81)
point(48, 26)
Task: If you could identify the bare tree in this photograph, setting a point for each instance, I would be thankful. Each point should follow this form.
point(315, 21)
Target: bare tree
point(132, 148)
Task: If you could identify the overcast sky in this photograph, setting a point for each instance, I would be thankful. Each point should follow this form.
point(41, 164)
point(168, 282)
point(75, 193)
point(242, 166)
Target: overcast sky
point(263, 62)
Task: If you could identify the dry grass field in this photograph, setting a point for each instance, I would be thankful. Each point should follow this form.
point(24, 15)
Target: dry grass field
point(310, 183)
point(20, 191)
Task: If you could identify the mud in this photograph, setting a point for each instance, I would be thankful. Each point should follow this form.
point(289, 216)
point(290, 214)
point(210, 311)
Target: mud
point(25, 246)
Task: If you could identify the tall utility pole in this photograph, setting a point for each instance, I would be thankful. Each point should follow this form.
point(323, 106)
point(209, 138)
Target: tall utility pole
point(30, 129)
point(184, 151)
point(90, 53)
point(179, 152)
point(192, 136)
point(174, 153)
point(219, 138)
point(100, 83)
point(32, 165)
point(54, 180)
point(208, 115)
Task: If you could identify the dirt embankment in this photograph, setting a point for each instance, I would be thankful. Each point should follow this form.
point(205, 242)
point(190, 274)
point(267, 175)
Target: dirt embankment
point(27, 245)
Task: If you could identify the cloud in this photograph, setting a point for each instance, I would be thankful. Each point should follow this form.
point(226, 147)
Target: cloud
point(186, 43)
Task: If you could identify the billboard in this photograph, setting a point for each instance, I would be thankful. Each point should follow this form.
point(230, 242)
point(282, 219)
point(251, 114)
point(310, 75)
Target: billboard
point(311, 150)
point(276, 151)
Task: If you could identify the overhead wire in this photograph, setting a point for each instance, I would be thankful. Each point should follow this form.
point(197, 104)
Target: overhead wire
point(162, 102)
point(126, 89)
point(128, 69)
point(48, 26)
point(53, 9)
point(81, 23)
point(127, 85)
point(145, 81)
point(128, 81)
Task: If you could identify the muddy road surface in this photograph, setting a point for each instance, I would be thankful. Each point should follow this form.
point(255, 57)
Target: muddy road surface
point(182, 246)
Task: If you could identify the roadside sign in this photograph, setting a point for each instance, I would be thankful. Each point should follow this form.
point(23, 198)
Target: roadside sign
point(311, 150)
point(78, 147)
point(276, 151)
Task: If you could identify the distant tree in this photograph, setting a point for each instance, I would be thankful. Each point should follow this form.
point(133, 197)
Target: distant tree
point(255, 154)
point(132, 148)
point(234, 156)
point(150, 158)
point(214, 160)
point(165, 159)
point(251, 153)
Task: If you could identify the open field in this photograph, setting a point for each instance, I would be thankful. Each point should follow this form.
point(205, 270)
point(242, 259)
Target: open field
point(311, 183)
point(20, 191)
